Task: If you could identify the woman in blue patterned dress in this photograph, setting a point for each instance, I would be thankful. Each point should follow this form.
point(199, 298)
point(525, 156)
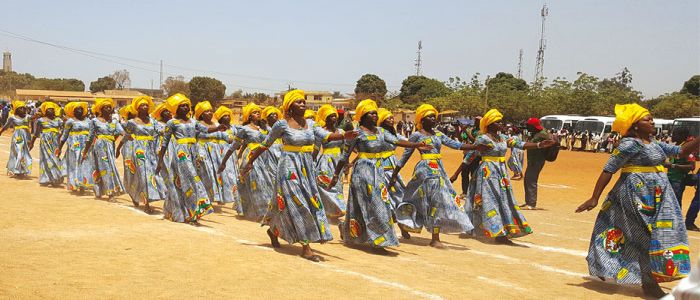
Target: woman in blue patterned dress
point(172, 208)
point(206, 156)
point(257, 188)
point(100, 146)
point(370, 218)
point(491, 203)
point(429, 200)
point(386, 121)
point(147, 185)
point(639, 235)
point(19, 164)
point(48, 128)
point(225, 141)
point(331, 152)
point(190, 193)
point(271, 115)
point(125, 148)
point(515, 161)
point(296, 213)
point(75, 134)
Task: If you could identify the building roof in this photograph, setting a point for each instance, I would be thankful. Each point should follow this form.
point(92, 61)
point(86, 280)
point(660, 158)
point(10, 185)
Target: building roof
point(51, 93)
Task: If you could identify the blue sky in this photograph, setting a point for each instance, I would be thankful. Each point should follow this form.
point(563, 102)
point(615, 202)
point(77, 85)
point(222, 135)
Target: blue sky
point(328, 45)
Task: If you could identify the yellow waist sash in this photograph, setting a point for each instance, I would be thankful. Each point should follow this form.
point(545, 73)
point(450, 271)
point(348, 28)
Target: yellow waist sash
point(387, 154)
point(186, 141)
point(290, 148)
point(54, 130)
point(79, 132)
point(368, 155)
point(493, 158)
point(643, 169)
point(253, 146)
point(22, 127)
point(143, 137)
point(106, 137)
point(334, 150)
point(430, 156)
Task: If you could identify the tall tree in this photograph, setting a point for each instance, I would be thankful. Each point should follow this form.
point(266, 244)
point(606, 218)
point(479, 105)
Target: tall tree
point(415, 89)
point(692, 86)
point(176, 84)
point(370, 86)
point(206, 88)
point(102, 84)
point(122, 79)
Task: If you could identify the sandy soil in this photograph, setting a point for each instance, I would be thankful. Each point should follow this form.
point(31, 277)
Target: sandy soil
point(54, 244)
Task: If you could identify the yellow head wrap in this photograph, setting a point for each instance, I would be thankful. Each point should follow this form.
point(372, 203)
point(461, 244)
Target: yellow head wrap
point(126, 110)
point(267, 111)
point(323, 113)
point(309, 114)
point(221, 112)
point(290, 97)
point(491, 116)
point(201, 107)
point(423, 111)
point(248, 110)
point(100, 103)
point(48, 104)
point(364, 107)
point(174, 101)
point(383, 114)
point(136, 102)
point(626, 115)
point(71, 106)
point(157, 111)
point(17, 104)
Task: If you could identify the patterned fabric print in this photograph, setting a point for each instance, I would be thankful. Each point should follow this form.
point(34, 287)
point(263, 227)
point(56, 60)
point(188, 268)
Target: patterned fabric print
point(190, 193)
point(51, 168)
point(515, 161)
point(494, 210)
point(388, 165)
point(296, 214)
point(174, 207)
point(639, 229)
point(429, 199)
point(228, 179)
point(257, 188)
point(75, 136)
point(369, 216)
point(105, 173)
point(20, 161)
point(331, 196)
point(129, 161)
point(146, 184)
point(204, 162)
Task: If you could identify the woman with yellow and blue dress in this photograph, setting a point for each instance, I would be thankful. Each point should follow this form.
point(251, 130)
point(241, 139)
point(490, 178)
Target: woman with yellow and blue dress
point(296, 213)
point(271, 115)
point(125, 148)
point(224, 142)
point(639, 235)
point(429, 199)
point(369, 218)
point(147, 185)
point(19, 164)
point(48, 129)
point(172, 208)
point(190, 193)
point(386, 121)
point(100, 147)
point(75, 133)
point(331, 152)
point(207, 142)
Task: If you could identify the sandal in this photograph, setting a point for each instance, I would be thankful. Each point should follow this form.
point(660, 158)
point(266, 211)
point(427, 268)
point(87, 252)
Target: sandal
point(273, 239)
point(314, 258)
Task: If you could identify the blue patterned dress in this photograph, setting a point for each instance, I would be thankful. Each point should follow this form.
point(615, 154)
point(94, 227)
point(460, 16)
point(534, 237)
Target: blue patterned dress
point(173, 206)
point(51, 168)
point(331, 152)
point(75, 136)
point(388, 164)
point(492, 205)
point(257, 187)
point(20, 161)
point(229, 177)
point(640, 228)
point(129, 161)
point(190, 199)
point(429, 199)
point(105, 173)
point(296, 214)
point(369, 216)
point(204, 161)
point(517, 155)
point(146, 184)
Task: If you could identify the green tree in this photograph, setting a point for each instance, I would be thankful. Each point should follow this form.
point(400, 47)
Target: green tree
point(676, 105)
point(58, 84)
point(692, 86)
point(176, 84)
point(370, 86)
point(10, 81)
point(102, 84)
point(509, 94)
point(415, 89)
point(206, 88)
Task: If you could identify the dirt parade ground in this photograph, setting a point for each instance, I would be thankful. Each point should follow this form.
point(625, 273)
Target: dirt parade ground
point(54, 244)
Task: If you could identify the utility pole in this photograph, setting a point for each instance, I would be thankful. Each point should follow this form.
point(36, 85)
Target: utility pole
point(539, 68)
point(418, 60)
point(160, 86)
point(520, 64)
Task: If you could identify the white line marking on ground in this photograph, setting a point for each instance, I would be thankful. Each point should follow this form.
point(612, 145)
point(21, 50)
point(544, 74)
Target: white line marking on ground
point(500, 283)
point(554, 249)
point(693, 237)
point(550, 224)
point(379, 281)
point(553, 186)
point(558, 236)
point(580, 221)
point(557, 270)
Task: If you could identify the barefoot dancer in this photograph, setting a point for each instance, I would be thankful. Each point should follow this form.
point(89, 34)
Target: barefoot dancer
point(19, 164)
point(75, 134)
point(386, 121)
point(331, 152)
point(207, 141)
point(639, 235)
point(125, 148)
point(172, 208)
point(48, 130)
point(228, 179)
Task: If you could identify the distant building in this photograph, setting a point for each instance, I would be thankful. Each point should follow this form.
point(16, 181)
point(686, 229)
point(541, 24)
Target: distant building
point(314, 99)
point(7, 62)
point(120, 97)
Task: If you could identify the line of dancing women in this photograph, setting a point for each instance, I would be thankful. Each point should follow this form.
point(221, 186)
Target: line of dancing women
point(291, 160)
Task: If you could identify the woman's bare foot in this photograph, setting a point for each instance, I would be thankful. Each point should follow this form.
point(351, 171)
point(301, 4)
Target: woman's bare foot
point(307, 253)
point(147, 209)
point(404, 234)
point(502, 240)
point(653, 289)
point(436, 243)
point(195, 223)
point(273, 239)
point(112, 199)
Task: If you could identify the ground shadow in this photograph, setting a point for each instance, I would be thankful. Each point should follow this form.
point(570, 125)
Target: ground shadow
point(369, 250)
point(609, 288)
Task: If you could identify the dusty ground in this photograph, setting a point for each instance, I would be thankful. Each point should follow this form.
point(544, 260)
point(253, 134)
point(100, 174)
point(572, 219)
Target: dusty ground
point(57, 245)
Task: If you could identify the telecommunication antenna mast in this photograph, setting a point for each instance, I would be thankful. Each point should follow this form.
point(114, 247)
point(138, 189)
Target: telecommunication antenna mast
point(418, 60)
point(539, 68)
point(520, 64)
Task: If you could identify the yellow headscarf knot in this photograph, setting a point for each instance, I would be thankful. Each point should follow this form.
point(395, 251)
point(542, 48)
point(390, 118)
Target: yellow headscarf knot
point(364, 107)
point(71, 106)
point(248, 110)
point(383, 114)
point(323, 113)
point(17, 104)
point(176, 100)
point(626, 115)
point(423, 111)
point(221, 112)
point(201, 107)
point(100, 103)
point(136, 102)
point(126, 110)
point(290, 97)
point(157, 111)
point(267, 111)
point(490, 117)
point(309, 114)
point(48, 104)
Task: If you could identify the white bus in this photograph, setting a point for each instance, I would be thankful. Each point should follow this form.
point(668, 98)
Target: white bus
point(693, 125)
point(663, 126)
point(559, 122)
point(600, 126)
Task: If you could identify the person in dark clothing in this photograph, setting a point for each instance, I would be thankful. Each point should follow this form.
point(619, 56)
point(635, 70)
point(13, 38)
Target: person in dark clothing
point(535, 162)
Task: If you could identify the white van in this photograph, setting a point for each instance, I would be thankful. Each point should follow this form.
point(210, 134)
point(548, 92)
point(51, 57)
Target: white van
point(663, 126)
point(559, 122)
point(693, 125)
point(600, 126)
